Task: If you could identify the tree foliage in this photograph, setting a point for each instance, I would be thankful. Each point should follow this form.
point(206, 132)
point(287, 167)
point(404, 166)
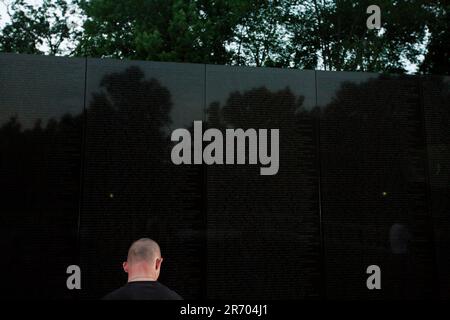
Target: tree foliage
point(169, 30)
point(437, 58)
point(47, 28)
point(312, 34)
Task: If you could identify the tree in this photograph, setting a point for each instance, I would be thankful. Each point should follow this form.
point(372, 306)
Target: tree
point(260, 37)
point(167, 30)
point(336, 32)
point(45, 29)
point(437, 58)
point(308, 34)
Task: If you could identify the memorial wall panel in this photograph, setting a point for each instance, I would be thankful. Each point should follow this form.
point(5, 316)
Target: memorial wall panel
point(436, 102)
point(375, 199)
point(131, 188)
point(263, 230)
point(41, 106)
point(361, 178)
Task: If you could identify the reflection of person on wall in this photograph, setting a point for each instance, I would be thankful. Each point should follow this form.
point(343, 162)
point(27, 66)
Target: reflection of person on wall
point(399, 237)
point(143, 266)
point(401, 262)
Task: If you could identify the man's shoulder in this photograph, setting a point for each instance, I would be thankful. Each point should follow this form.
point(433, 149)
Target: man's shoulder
point(169, 293)
point(117, 294)
point(140, 291)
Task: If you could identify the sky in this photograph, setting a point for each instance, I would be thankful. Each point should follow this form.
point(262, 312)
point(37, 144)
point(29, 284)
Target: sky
point(410, 67)
point(3, 11)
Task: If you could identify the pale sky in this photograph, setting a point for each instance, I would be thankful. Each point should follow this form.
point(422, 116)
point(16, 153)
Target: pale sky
point(3, 13)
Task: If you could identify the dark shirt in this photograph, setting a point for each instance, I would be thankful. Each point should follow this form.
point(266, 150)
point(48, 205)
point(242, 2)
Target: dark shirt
point(143, 290)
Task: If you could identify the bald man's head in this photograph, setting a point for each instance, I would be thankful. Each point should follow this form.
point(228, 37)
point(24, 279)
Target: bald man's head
point(143, 261)
point(144, 249)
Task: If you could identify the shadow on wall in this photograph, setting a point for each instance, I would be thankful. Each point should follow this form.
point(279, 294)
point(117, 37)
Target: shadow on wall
point(375, 175)
point(131, 190)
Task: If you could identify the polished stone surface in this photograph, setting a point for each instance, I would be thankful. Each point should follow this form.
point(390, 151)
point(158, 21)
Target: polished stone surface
point(363, 179)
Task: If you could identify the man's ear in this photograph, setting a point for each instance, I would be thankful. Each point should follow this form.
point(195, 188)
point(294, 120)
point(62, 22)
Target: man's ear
point(158, 263)
point(125, 266)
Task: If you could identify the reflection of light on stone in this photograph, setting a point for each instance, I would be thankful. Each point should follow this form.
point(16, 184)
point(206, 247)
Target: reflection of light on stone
point(111, 195)
point(384, 193)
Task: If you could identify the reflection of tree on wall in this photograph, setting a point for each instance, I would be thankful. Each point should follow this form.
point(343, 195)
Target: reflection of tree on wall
point(132, 190)
point(437, 108)
point(366, 130)
point(264, 228)
point(373, 161)
point(374, 176)
point(39, 201)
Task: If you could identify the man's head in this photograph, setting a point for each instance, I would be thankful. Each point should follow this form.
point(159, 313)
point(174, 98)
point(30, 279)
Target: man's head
point(143, 261)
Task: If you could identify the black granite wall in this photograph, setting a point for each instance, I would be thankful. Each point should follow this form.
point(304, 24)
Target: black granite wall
point(85, 169)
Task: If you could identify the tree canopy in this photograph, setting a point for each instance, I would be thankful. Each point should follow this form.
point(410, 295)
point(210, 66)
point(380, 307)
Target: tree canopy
point(311, 34)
